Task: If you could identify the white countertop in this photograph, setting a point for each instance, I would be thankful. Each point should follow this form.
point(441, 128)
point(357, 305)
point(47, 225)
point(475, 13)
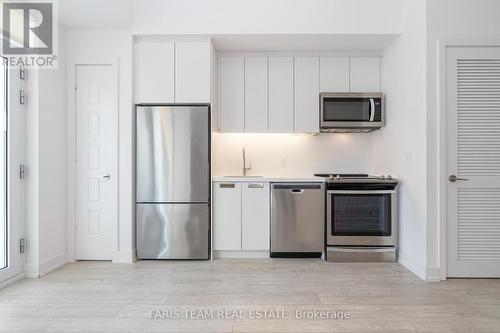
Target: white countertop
point(284, 179)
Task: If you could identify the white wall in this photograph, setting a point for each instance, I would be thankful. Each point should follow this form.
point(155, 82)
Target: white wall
point(266, 16)
point(52, 163)
point(46, 165)
point(292, 154)
point(400, 148)
point(449, 19)
point(85, 45)
point(32, 174)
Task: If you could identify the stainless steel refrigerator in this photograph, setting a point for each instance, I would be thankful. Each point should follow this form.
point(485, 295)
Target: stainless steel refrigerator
point(173, 182)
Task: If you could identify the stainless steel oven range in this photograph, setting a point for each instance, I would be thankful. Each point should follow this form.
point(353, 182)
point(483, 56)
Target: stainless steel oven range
point(361, 217)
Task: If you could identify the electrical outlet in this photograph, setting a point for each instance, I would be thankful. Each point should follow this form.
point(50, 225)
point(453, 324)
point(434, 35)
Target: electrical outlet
point(409, 156)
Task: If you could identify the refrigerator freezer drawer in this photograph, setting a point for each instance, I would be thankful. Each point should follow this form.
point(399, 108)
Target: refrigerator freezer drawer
point(173, 231)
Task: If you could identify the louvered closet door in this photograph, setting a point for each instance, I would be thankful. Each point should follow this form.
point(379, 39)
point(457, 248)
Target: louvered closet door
point(473, 156)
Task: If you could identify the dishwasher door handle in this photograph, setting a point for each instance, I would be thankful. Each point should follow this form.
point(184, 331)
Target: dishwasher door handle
point(297, 191)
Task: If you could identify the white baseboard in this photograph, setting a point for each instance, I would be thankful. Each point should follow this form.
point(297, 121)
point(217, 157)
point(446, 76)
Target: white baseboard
point(412, 264)
point(36, 270)
point(12, 280)
point(125, 257)
point(241, 254)
point(31, 270)
point(433, 274)
point(53, 263)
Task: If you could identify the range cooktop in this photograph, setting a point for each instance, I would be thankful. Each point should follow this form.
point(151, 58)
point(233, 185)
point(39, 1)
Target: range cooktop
point(355, 178)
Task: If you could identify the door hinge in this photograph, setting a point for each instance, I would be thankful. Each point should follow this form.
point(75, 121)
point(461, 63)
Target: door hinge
point(22, 97)
point(22, 72)
point(74, 84)
point(22, 245)
point(22, 171)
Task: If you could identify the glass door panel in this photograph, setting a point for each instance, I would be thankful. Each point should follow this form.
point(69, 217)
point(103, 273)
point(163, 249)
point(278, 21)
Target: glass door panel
point(346, 109)
point(3, 165)
point(361, 214)
point(12, 187)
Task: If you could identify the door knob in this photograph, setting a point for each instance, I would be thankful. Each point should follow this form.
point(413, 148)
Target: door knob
point(454, 178)
point(106, 177)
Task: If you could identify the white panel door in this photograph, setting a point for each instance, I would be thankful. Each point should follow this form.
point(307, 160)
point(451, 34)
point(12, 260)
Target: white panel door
point(255, 226)
point(473, 157)
point(154, 72)
point(12, 187)
point(365, 74)
point(306, 108)
point(192, 72)
point(232, 101)
point(256, 93)
point(281, 94)
point(227, 216)
point(96, 162)
point(334, 74)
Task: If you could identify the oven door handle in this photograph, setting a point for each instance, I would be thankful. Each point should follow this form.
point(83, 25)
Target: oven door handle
point(361, 192)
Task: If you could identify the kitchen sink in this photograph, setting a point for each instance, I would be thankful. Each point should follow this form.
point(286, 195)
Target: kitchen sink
point(243, 176)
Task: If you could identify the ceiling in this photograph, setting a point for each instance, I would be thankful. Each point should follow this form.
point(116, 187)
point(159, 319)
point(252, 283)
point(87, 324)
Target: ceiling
point(95, 14)
point(117, 14)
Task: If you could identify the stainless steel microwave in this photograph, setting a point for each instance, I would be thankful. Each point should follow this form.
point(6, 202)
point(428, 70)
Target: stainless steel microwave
point(351, 112)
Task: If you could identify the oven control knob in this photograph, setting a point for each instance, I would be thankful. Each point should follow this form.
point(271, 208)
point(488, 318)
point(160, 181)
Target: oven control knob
point(337, 177)
point(381, 177)
point(389, 177)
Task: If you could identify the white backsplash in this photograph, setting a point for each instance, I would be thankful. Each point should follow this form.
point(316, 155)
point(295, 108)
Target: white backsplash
point(292, 154)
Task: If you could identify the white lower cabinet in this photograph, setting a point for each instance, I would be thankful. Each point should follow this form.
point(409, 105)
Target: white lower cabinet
point(227, 216)
point(241, 219)
point(255, 216)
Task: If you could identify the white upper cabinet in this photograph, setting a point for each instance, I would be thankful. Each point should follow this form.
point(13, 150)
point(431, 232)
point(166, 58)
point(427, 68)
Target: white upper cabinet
point(281, 94)
point(334, 74)
point(256, 92)
point(167, 72)
point(306, 71)
point(232, 101)
point(154, 72)
point(365, 74)
point(192, 72)
point(255, 218)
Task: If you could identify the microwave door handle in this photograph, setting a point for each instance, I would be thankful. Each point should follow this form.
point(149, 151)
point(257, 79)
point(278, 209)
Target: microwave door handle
point(372, 109)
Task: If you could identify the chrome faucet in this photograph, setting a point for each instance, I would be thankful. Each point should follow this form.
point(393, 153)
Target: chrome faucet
point(245, 169)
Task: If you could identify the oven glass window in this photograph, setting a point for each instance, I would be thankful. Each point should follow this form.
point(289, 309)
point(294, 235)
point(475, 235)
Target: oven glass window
point(346, 109)
point(361, 214)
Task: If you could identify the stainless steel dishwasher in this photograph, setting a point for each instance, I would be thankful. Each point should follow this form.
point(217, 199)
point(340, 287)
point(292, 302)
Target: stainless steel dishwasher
point(297, 220)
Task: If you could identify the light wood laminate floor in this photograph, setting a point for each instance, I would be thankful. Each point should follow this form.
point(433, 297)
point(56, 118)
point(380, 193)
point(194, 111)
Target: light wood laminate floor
point(105, 297)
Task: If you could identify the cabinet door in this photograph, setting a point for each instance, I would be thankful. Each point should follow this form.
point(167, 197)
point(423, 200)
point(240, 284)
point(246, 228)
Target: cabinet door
point(256, 115)
point(227, 216)
point(154, 72)
point(281, 94)
point(232, 101)
point(192, 72)
point(306, 73)
point(334, 74)
point(255, 217)
point(365, 74)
